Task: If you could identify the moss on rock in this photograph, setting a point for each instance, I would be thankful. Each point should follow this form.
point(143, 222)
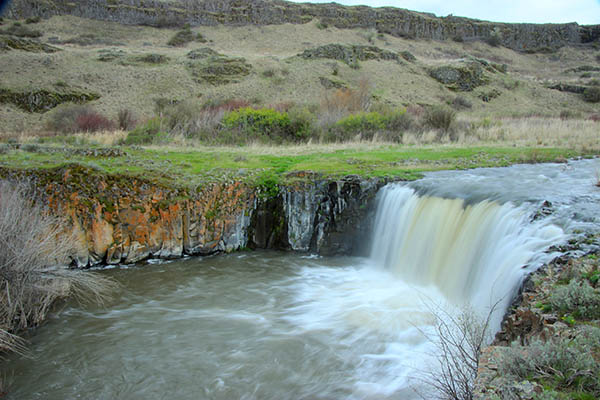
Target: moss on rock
point(462, 78)
point(350, 54)
point(331, 83)
point(15, 43)
point(208, 66)
point(42, 100)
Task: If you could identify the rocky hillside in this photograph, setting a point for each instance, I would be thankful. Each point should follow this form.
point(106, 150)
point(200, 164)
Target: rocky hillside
point(388, 20)
point(144, 56)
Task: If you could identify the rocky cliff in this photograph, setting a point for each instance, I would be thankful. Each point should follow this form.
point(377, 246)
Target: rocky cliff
point(117, 219)
point(393, 21)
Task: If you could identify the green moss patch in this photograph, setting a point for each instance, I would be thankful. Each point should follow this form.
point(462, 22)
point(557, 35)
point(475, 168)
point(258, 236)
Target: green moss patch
point(206, 65)
point(42, 100)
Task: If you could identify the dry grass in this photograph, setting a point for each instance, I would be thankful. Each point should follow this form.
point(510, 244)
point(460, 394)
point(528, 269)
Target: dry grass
point(33, 248)
point(537, 131)
point(526, 132)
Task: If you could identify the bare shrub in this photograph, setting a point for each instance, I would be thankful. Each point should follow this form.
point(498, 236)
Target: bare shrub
point(92, 121)
point(33, 246)
point(459, 340)
point(64, 117)
point(126, 119)
point(343, 102)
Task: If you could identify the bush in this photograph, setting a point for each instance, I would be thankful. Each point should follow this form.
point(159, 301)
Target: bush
point(64, 118)
point(342, 102)
point(560, 362)
point(459, 340)
point(32, 244)
point(361, 123)
point(461, 102)
point(190, 119)
point(92, 121)
point(391, 123)
point(261, 124)
point(149, 133)
point(302, 122)
point(592, 94)
point(439, 117)
point(578, 299)
point(570, 114)
point(126, 119)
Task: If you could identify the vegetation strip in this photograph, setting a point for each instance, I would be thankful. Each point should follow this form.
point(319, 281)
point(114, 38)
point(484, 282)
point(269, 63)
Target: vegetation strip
point(185, 168)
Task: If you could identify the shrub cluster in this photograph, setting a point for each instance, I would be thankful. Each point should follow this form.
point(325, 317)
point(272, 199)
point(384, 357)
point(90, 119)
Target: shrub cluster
point(344, 115)
point(151, 132)
point(185, 36)
point(439, 117)
point(72, 118)
point(265, 125)
point(368, 124)
point(578, 299)
point(561, 363)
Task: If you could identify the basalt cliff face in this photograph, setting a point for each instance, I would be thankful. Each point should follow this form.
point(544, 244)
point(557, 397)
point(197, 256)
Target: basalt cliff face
point(393, 21)
point(116, 219)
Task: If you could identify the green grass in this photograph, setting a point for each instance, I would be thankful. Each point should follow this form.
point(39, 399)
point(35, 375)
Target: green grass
point(193, 167)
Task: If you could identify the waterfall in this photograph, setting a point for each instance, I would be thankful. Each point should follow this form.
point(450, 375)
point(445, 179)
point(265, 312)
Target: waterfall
point(472, 253)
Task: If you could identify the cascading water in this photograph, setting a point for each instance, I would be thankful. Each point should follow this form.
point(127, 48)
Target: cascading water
point(269, 325)
point(472, 253)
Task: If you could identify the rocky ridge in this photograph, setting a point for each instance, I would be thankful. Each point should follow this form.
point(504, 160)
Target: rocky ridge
point(387, 20)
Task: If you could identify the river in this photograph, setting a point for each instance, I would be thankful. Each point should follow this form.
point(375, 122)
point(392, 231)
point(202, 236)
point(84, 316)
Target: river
point(275, 325)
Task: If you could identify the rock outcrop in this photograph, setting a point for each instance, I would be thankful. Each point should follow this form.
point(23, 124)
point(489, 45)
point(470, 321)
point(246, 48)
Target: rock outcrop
point(388, 20)
point(117, 219)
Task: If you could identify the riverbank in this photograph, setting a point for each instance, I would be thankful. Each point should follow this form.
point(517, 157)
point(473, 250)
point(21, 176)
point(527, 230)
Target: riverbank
point(126, 204)
point(549, 345)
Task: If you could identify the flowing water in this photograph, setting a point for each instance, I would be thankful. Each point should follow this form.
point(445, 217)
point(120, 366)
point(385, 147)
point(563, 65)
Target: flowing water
point(272, 325)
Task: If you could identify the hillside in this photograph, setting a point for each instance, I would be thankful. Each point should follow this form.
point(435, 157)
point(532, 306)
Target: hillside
point(275, 53)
